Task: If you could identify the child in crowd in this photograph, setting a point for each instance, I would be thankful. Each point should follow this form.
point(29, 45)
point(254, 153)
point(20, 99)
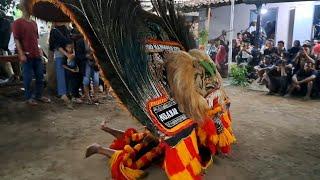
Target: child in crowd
point(91, 73)
point(72, 73)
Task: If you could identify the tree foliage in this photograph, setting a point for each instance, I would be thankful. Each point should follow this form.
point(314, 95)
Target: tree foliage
point(203, 37)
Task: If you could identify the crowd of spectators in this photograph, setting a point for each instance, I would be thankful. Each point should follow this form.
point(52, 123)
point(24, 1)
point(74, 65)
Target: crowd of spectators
point(293, 71)
point(77, 74)
point(74, 64)
point(282, 71)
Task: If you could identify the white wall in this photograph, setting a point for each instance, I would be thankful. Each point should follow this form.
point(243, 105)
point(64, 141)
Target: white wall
point(303, 19)
point(220, 19)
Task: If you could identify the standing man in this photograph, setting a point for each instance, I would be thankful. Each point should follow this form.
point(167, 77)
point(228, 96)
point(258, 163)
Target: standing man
point(26, 36)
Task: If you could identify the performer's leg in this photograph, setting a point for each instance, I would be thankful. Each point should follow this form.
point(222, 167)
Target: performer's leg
point(98, 149)
point(114, 132)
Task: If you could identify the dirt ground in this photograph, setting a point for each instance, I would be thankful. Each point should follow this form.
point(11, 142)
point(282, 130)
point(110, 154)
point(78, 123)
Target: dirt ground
point(277, 138)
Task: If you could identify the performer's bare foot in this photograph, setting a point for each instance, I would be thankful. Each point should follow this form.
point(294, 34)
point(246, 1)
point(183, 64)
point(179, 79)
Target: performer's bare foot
point(98, 149)
point(103, 125)
point(92, 149)
point(116, 133)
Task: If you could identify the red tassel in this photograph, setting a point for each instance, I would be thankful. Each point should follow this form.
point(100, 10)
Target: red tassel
point(212, 147)
point(209, 127)
point(118, 144)
point(225, 149)
point(115, 168)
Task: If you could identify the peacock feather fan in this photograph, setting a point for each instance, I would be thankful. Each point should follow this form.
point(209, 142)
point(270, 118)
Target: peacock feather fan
point(117, 31)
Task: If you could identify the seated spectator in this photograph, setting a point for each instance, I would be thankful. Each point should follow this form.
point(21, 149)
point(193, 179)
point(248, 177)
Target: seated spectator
point(292, 52)
point(239, 40)
point(303, 81)
point(269, 48)
point(10, 70)
point(280, 48)
point(279, 77)
point(91, 73)
point(247, 37)
point(264, 66)
point(256, 57)
point(308, 42)
point(302, 57)
point(316, 53)
point(244, 55)
point(261, 37)
point(72, 73)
